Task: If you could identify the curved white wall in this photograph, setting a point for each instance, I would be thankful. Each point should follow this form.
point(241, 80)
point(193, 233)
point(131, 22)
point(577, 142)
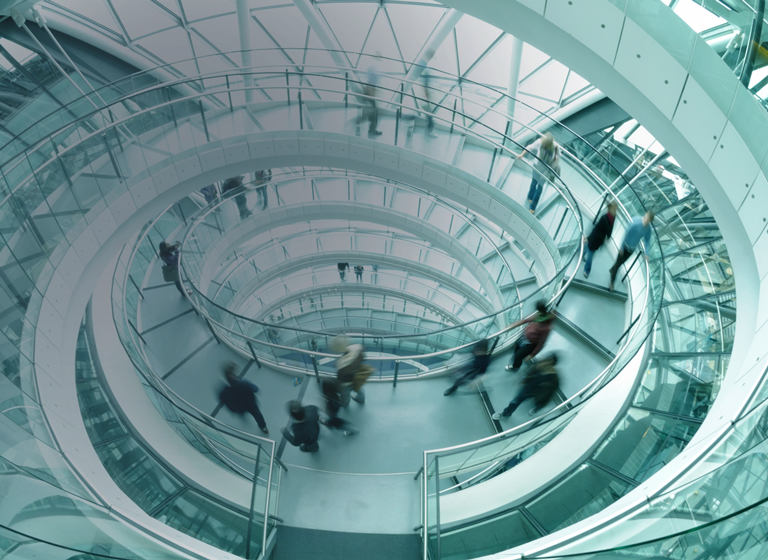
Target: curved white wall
point(639, 53)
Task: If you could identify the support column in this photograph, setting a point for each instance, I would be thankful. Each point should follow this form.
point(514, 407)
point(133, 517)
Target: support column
point(243, 27)
point(444, 27)
point(323, 32)
point(514, 80)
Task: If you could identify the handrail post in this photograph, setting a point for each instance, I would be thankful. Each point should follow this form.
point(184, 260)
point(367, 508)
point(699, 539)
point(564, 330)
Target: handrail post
point(253, 353)
point(136, 286)
point(267, 500)
point(287, 86)
point(229, 93)
point(314, 365)
point(397, 368)
point(173, 111)
point(597, 215)
point(629, 328)
point(182, 213)
point(418, 472)
point(136, 331)
point(301, 113)
point(111, 156)
point(205, 122)
point(253, 503)
point(213, 332)
point(493, 346)
point(453, 116)
point(560, 224)
point(437, 506)
point(346, 89)
point(490, 169)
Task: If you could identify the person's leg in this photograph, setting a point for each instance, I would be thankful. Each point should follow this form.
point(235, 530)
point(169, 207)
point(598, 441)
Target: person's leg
point(179, 287)
point(374, 118)
point(532, 188)
point(256, 413)
point(309, 447)
point(588, 262)
point(242, 206)
point(462, 380)
point(521, 396)
point(537, 194)
point(515, 348)
point(621, 258)
point(359, 396)
point(345, 390)
point(522, 352)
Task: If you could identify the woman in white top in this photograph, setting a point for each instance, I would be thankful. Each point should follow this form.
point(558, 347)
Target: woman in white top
point(546, 166)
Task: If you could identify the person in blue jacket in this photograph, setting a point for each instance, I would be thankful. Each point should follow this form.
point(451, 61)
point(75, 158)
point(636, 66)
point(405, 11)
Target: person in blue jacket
point(639, 230)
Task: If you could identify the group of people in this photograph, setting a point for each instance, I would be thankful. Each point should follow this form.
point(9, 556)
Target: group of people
point(545, 169)
point(239, 396)
point(260, 180)
point(638, 230)
point(358, 269)
point(370, 98)
point(541, 380)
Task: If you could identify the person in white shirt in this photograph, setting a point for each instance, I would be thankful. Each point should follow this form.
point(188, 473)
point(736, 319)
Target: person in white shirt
point(545, 167)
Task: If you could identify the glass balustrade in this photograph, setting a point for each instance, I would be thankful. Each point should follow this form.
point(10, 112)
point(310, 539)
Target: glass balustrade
point(629, 204)
point(84, 165)
point(690, 349)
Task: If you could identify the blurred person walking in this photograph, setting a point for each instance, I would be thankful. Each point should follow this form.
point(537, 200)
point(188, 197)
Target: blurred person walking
point(600, 233)
point(259, 179)
point(210, 193)
point(534, 336)
point(232, 184)
point(480, 361)
point(343, 267)
point(370, 91)
point(540, 383)
point(638, 230)
point(332, 395)
point(351, 372)
point(239, 396)
point(359, 272)
point(305, 430)
point(169, 255)
point(545, 168)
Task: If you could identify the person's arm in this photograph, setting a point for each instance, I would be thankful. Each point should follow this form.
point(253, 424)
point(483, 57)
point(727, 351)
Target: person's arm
point(530, 149)
point(289, 437)
point(253, 388)
point(522, 322)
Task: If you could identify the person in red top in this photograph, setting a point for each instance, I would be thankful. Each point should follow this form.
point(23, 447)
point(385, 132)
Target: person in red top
point(534, 337)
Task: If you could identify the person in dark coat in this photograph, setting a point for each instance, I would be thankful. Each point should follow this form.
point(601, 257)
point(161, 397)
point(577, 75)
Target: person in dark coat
point(332, 394)
point(240, 397)
point(534, 337)
point(602, 231)
point(305, 429)
point(480, 361)
point(343, 267)
point(540, 383)
point(242, 204)
point(169, 254)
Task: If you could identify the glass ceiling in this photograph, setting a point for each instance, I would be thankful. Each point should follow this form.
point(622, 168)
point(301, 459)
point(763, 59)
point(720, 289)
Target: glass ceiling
point(166, 31)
